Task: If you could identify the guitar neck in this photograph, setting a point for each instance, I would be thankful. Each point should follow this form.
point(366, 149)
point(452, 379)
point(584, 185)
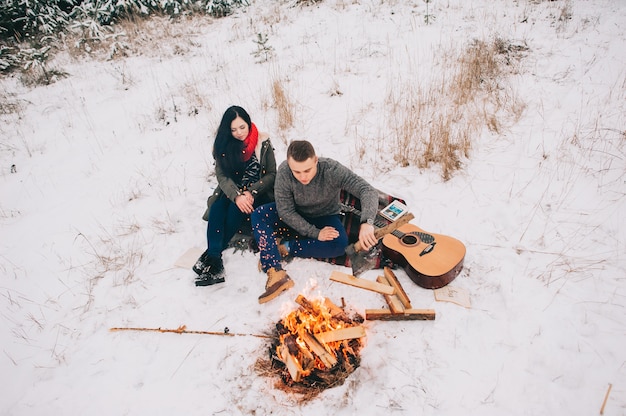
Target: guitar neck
point(377, 223)
point(384, 228)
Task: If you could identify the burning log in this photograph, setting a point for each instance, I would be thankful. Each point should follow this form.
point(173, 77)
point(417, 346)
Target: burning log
point(327, 358)
point(340, 334)
point(295, 371)
point(337, 312)
point(306, 304)
point(292, 345)
point(316, 346)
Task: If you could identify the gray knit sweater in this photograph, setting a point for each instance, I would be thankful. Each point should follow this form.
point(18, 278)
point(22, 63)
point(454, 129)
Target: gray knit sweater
point(320, 196)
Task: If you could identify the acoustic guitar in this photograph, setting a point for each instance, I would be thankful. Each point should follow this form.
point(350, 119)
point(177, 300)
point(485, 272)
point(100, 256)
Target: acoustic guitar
point(431, 260)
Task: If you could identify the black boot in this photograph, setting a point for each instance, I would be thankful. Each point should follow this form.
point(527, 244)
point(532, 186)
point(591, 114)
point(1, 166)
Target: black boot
point(201, 263)
point(213, 272)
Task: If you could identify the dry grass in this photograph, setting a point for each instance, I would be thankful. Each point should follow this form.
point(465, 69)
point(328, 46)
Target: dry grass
point(116, 256)
point(430, 125)
point(9, 104)
point(477, 70)
point(564, 15)
point(283, 105)
point(153, 36)
point(195, 99)
point(166, 227)
point(436, 125)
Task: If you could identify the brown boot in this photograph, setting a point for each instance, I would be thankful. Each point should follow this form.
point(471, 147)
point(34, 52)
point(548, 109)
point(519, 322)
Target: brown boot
point(277, 282)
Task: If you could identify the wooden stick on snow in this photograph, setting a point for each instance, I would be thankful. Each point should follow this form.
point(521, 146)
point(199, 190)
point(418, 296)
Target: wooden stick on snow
point(361, 283)
point(183, 330)
point(606, 397)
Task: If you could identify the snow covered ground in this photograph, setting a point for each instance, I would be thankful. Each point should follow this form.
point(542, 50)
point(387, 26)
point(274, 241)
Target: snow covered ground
point(104, 177)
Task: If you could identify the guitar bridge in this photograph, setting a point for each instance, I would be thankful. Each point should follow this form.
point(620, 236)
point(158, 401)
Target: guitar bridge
point(428, 249)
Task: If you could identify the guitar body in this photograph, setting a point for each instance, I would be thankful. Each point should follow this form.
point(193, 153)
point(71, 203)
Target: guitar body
point(431, 260)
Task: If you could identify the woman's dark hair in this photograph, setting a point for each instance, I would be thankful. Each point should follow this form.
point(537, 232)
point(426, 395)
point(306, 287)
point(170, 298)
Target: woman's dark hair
point(300, 150)
point(227, 150)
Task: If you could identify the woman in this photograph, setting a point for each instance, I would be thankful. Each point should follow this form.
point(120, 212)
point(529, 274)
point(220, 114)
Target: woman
point(245, 167)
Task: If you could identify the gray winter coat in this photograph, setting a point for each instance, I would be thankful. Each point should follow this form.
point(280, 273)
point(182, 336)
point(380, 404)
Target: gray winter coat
point(321, 196)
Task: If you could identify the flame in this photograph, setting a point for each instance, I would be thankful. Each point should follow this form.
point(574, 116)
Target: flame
point(304, 322)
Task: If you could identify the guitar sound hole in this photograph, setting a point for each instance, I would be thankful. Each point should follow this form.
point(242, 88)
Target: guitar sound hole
point(410, 240)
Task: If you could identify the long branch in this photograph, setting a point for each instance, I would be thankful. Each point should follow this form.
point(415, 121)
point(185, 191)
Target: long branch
point(183, 330)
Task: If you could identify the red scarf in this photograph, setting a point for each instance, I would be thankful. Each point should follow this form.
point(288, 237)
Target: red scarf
point(249, 144)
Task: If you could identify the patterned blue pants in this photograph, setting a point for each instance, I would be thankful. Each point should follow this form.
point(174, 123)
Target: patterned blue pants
point(267, 226)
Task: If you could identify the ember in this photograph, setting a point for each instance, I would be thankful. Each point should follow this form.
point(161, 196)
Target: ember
point(316, 346)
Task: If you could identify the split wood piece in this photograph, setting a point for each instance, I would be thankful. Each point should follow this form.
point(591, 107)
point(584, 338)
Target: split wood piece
point(400, 293)
point(340, 334)
point(295, 371)
point(407, 315)
point(361, 283)
point(395, 305)
point(336, 312)
point(327, 358)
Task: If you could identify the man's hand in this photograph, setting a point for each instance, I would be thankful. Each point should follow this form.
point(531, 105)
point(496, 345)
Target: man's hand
point(245, 202)
point(327, 234)
point(367, 238)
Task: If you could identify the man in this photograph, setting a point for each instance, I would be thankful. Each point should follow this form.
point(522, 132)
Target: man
point(305, 215)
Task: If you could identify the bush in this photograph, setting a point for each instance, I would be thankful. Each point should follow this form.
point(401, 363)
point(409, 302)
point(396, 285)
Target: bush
point(22, 18)
point(36, 22)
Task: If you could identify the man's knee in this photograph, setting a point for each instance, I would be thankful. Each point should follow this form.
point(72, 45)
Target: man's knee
point(338, 246)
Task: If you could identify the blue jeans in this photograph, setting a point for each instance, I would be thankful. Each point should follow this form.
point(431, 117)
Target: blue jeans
point(266, 226)
point(225, 219)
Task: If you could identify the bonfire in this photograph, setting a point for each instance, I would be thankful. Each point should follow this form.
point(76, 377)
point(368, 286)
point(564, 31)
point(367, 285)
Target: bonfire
point(314, 347)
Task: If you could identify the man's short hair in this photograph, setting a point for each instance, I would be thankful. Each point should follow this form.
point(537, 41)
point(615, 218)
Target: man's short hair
point(300, 150)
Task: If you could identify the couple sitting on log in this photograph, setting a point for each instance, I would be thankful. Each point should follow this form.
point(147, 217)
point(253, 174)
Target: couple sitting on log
point(294, 210)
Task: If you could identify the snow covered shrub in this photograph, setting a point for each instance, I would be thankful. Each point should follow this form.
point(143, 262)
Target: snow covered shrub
point(8, 58)
point(107, 11)
point(24, 26)
point(23, 18)
point(221, 8)
point(264, 51)
point(307, 2)
point(35, 69)
point(33, 24)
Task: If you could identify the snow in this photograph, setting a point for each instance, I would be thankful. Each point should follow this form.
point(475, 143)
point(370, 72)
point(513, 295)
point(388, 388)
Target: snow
point(113, 168)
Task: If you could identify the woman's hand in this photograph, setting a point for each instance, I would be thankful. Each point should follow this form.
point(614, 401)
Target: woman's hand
point(367, 238)
point(245, 202)
point(327, 233)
